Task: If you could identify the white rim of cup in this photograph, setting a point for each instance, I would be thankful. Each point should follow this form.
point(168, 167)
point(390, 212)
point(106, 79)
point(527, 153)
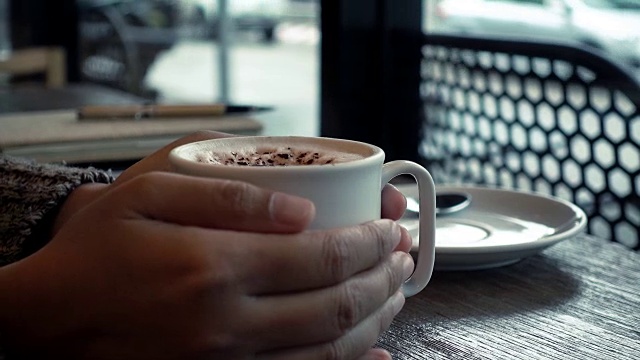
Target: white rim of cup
point(176, 155)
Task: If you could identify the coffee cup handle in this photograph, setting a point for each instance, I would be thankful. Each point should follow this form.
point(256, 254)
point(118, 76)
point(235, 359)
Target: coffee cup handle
point(427, 200)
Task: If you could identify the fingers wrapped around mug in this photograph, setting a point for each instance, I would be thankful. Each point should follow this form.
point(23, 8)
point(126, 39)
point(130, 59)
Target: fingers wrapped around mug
point(321, 294)
point(312, 295)
point(393, 203)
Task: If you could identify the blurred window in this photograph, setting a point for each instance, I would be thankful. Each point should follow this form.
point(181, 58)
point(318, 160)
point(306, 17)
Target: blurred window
point(536, 2)
point(608, 27)
point(262, 52)
point(555, 121)
point(5, 38)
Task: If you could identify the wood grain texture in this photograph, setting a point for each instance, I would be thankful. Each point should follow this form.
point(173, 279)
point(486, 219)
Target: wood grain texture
point(579, 299)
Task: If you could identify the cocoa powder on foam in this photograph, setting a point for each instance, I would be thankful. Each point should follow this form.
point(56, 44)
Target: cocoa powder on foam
point(285, 156)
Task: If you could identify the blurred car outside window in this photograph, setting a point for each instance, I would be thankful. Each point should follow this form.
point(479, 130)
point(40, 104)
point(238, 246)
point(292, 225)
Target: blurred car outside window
point(261, 16)
point(611, 27)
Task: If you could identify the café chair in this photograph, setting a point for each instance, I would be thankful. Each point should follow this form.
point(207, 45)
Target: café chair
point(550, 118)
point(47, 61)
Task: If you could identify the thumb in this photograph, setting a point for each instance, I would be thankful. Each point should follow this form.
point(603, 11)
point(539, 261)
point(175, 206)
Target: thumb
point(214, 203)
point(158, 160)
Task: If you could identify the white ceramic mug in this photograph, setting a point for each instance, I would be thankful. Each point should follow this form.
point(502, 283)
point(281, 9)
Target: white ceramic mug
point(344, 193)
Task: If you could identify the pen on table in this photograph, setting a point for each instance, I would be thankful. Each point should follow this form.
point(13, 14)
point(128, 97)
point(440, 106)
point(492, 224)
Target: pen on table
point(136, 112)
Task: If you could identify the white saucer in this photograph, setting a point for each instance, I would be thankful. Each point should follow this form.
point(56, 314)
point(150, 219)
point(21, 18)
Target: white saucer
point(499, 228)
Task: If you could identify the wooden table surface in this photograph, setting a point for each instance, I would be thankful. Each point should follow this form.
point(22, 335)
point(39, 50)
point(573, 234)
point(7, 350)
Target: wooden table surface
point(579, 299)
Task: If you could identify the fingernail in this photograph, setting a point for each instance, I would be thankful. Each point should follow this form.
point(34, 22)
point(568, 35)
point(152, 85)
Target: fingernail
point(398, 302)
point(391, 186)
point(407, 266)
point(289, 209)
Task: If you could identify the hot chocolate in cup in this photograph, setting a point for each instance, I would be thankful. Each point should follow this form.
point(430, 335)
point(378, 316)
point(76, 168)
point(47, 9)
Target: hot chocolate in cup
point(343, 178)
point(278, 155)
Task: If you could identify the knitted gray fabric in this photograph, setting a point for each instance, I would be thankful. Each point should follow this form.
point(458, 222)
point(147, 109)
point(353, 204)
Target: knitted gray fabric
point(30, 195)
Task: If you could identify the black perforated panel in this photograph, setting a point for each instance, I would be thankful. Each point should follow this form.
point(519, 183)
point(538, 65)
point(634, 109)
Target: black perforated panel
point(536, 117)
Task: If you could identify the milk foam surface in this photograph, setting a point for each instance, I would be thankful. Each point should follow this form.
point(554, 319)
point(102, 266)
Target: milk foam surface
point(277, 156)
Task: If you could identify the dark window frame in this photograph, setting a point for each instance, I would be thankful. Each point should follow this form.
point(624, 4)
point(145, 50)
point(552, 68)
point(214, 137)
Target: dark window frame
point(47, 23)
point(370, 73)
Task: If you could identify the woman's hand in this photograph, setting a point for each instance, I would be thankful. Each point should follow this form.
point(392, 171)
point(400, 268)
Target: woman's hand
point(158, 161)
point(165, 266)
point(393, 202)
